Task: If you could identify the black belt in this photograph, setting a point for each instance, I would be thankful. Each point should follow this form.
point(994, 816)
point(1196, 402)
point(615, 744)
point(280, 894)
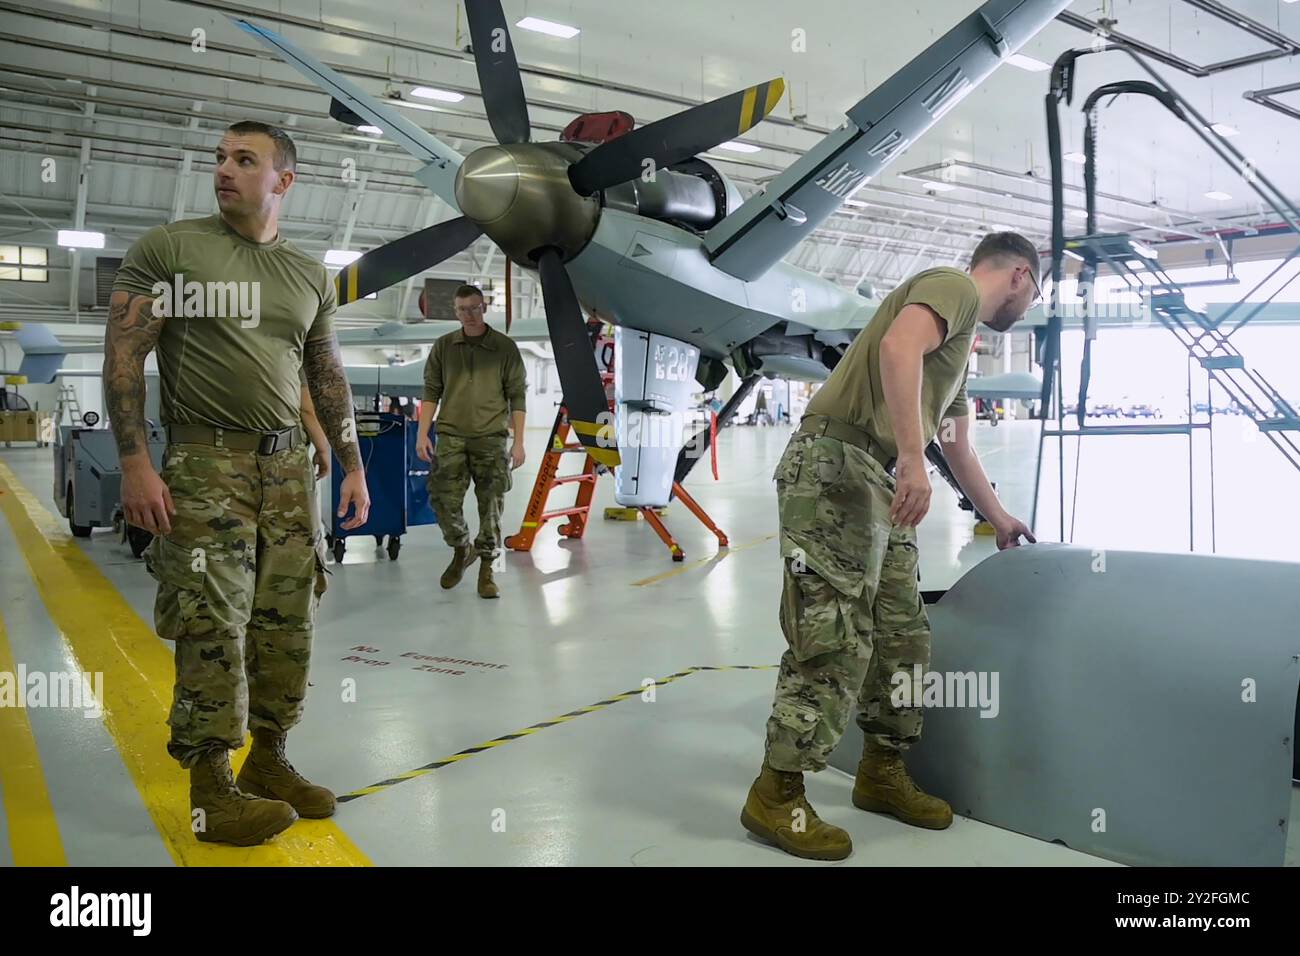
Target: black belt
point(858, 437)
point(264, 443)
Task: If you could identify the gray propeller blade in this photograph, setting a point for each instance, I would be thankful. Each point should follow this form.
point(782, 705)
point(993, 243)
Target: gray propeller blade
point(498, 71)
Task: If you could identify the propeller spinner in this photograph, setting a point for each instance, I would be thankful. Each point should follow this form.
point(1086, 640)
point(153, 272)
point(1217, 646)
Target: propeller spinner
point(538, 202)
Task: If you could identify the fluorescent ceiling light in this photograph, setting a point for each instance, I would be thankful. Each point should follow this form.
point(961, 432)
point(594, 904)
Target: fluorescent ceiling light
point(429, 93)
point(737, 147)
point(1076, 214)
point(341, 257)
point(374, 130)
point(550, 28)
point(999, 227)
point(940, 187)
point(1223, 129)
point(1027, 63)
point(1072, 254)
point(1076, 158)
point(426, 107)
point(74, 239)
point(1218, 194)
point(855, 203)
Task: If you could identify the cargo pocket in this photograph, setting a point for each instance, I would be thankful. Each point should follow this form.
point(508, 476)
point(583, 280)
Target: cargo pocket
point(811, 617)
point(430, 481)
point(322, 571)
point(799, 718)
point(827, 455)
point(180, 608)
point(787, 469)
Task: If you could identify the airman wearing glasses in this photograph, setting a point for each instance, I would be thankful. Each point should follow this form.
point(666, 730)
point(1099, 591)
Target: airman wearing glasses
point(474, 383)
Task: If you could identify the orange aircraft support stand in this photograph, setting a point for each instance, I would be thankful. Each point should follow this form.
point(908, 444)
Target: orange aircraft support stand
point(652, 517)
point(548, 478)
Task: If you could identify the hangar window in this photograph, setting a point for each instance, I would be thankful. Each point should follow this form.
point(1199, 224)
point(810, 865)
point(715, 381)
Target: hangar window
point(15, 263)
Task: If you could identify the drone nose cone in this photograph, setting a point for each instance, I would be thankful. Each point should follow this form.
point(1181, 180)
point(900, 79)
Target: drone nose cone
point(487, 184)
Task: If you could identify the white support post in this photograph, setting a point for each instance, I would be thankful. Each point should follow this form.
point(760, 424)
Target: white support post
point(427, 216)
point(79, 215)
point(183, 176)
point(352, 205)
point(831, 257)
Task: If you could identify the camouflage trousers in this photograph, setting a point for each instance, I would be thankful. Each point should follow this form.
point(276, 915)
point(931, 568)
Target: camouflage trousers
point(239, 578)
point(456, 462)
point(851, 607)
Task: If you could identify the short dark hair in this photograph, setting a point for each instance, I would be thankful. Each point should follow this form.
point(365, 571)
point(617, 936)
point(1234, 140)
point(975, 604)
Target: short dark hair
point(1002, 246)
point(467, 290)
point(286, 154)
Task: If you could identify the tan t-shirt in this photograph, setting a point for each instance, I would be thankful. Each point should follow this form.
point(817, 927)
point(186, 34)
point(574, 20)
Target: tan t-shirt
point(854, 393)
point(477, 383)
point(230, 351)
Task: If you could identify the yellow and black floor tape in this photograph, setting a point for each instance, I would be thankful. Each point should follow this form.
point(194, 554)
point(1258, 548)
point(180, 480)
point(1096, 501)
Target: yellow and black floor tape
point(534, 728)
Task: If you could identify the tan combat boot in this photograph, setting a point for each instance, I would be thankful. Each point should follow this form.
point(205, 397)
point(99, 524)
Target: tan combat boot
point(487, 588)
point(228, 815)
point(268, 773)
point(883, 785)
point(459, 562)
point(777, 811)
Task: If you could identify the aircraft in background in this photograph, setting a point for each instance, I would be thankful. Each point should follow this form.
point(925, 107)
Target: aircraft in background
point(43, 354)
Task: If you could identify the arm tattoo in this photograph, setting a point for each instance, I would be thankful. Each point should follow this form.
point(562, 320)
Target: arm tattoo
point(332, 396)
point(132, 332)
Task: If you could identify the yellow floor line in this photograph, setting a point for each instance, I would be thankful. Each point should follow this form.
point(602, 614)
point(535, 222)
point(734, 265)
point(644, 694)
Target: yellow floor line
point(104, 634)
point(553, 722)
point(703, 561)
point(33, 830)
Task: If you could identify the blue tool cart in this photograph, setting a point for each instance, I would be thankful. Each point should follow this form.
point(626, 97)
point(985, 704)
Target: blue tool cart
point(395, 477)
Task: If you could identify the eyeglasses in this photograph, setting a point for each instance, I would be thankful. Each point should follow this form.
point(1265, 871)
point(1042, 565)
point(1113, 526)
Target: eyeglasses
point(469, 309)
point(1038, 289)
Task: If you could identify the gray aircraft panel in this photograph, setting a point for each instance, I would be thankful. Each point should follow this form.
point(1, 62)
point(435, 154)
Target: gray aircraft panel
point(441, 161)
point(397, 334)
point(796, 368)
point(673, 289)
point(1121, 678)
point(1022, 385)
point(880, 127)
point(406, 380)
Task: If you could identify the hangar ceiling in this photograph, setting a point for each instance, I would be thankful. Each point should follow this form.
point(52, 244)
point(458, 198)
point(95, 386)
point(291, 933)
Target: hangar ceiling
point(116, 88)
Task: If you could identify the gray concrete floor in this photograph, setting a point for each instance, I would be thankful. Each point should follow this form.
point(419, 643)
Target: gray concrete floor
point(635, 782)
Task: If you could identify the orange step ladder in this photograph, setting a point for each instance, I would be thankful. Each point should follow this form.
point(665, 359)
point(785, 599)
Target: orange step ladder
point(549, 478)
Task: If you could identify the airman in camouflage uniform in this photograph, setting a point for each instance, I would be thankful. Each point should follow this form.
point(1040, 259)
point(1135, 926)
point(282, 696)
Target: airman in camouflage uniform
point(474, 382)
point(238, 552)
point(851, 608)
